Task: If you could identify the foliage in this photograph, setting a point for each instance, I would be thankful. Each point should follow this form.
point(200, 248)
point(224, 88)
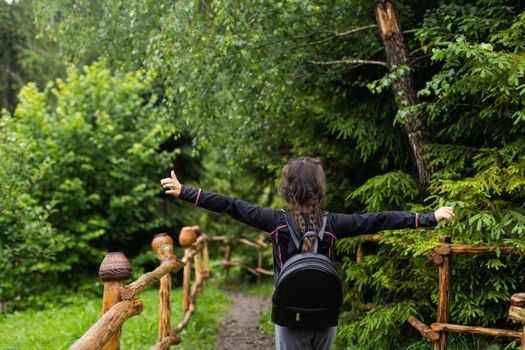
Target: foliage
point(86, 31)
point(55, 328)
point(254, 82)
point(387, 192)
point(244, 78)
point(28, 242)
point(246, 70)
point(26, 56)
point(474, 102)
point(83, 159)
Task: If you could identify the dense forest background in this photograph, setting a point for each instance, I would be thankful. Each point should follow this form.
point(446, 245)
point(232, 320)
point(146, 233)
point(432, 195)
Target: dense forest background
point(100, 99)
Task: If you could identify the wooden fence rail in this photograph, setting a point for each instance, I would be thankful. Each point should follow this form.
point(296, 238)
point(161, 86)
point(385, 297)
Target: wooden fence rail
point(259, 244)
point(120, 302)
point(442, 257)
point(437, 332)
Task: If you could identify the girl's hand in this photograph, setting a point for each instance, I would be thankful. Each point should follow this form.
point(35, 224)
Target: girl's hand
point(444, 213)
point(171, 184)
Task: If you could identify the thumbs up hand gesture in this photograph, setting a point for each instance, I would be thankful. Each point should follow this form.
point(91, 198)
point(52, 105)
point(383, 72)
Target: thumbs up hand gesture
point(171, 185)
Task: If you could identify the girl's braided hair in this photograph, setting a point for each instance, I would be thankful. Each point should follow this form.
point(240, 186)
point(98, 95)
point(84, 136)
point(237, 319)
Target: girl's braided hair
point(303, 186)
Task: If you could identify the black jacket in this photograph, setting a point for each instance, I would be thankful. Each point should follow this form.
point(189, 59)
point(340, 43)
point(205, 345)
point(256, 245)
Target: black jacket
point(273, 221)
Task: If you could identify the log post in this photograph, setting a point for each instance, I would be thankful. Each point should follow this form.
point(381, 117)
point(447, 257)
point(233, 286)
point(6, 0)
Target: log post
point(198, 263)
point(114, 269)
point(227, 258)
point(206, 254)
point(445, 286)
point(260, 264)
point(517, 313)
point(198, 270)
point(187, 236)
point(162, 244)
point(186, 286)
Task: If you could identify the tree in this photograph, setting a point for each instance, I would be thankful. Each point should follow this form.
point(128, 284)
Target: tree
point(261, 82)
point(25, 55)
point(403, 86)
point(83, 159)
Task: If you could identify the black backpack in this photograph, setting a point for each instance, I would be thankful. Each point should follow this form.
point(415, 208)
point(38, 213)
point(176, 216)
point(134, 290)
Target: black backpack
point(308, 292)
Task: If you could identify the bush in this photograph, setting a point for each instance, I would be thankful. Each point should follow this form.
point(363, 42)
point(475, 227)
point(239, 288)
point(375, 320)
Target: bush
point(80, 167)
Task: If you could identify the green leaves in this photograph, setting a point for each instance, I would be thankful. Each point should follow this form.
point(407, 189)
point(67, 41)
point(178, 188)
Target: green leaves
point(83, 160)
point(473, 98)
point(251, 80)
point(387, 192)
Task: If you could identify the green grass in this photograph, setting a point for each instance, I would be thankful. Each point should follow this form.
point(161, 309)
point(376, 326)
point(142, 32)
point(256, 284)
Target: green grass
point(240, 280)
point(58, 327)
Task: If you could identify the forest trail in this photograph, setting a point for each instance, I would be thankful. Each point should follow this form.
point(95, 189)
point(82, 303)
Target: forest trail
point(240, 328)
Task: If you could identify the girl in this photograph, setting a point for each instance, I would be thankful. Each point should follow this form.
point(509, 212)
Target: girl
point(303, 187)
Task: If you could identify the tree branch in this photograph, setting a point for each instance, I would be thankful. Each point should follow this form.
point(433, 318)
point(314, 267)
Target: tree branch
point(336, 35)
point(351, 61)
point(333, 36)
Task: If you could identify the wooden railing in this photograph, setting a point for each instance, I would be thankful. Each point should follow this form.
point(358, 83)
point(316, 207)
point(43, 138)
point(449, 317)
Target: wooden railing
point(259, 244)
point(442, 257)
point(120, 302)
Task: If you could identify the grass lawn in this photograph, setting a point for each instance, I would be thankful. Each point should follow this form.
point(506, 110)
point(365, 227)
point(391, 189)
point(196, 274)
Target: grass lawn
point(58, 327)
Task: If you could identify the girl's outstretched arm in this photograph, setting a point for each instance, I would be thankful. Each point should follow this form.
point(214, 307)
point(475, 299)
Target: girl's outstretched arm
point(261, 218)
point(348, 225)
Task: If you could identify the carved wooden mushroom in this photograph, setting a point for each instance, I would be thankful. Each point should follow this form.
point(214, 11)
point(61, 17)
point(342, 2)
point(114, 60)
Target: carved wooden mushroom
point(115, 267)
point(162, 244)
point(188, 235)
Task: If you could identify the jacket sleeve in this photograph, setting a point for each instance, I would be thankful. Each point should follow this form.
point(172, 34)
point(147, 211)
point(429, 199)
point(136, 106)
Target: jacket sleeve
point(261, 218)
point(347, 225)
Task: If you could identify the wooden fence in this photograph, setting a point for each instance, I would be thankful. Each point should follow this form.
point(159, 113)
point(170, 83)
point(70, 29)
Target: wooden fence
point(442, 257)
point(120, 302)
point(260, 245)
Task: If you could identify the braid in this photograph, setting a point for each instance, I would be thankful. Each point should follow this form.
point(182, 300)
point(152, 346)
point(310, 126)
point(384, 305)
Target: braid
point(313, 225)
point(299, 220)
point(303, 186)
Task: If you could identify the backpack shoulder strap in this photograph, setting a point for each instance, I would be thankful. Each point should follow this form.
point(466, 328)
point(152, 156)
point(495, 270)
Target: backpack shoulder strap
point(320, 234)
point(293, 233)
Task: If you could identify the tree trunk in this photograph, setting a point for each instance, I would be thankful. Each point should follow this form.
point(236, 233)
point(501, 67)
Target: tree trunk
point(403, 87)
point(6, 64)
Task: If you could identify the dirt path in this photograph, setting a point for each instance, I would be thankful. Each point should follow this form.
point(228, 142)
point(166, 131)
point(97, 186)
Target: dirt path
point(240, 329)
